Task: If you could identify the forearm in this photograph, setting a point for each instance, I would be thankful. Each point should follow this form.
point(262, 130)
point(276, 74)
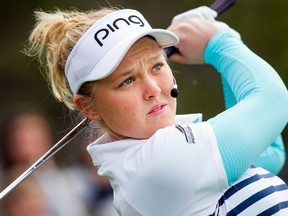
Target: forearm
point(273, 158)
point(245, 130)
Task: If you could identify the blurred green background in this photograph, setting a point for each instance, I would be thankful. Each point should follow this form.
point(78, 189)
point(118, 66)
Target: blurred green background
point(263, 27)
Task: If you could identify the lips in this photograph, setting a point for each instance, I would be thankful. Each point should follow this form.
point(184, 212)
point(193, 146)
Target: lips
point(158, 109)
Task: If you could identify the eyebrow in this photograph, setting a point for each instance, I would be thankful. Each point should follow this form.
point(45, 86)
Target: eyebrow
point(129, 71)
point(122, 74)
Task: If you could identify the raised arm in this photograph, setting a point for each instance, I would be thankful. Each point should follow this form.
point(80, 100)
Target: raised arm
point(245, 130)
point(273, 158)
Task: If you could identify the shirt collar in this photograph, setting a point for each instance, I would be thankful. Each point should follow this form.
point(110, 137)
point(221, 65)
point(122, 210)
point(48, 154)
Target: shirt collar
point(102, 150)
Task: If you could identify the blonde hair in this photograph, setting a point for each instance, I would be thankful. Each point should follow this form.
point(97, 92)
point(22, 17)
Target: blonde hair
point(53, 38)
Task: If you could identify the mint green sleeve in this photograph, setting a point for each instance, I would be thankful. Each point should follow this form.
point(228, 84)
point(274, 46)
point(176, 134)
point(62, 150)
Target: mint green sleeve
point(245, 130)
point(273, 158)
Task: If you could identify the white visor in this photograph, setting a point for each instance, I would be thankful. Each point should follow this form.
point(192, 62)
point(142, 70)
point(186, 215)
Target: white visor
point(100, 50)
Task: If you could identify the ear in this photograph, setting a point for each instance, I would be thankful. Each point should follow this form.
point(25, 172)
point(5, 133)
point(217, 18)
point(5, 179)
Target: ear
point(83, 103)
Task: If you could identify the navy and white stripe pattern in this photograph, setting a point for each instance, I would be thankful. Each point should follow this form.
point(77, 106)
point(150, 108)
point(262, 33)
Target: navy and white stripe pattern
point(258, 192)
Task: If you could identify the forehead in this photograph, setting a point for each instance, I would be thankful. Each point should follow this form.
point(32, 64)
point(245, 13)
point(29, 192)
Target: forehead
point(145, 47)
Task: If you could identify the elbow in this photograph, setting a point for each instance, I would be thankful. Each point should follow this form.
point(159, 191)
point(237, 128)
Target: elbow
point(280, 103)
point(283, 100)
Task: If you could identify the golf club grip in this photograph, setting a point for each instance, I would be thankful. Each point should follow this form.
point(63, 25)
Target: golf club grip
point(220, 6)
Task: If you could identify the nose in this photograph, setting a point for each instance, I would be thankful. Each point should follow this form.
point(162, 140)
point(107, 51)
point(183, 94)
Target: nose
point(151, 88)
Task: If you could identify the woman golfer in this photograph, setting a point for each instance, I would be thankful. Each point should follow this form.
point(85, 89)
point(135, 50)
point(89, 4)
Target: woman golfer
point(111, 66)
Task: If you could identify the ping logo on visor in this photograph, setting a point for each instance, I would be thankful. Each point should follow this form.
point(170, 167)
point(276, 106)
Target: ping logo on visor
point(103, 46)
point(115, 25)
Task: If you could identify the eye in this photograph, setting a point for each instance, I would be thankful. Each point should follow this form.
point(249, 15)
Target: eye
point(157, 67)
point(127, 82)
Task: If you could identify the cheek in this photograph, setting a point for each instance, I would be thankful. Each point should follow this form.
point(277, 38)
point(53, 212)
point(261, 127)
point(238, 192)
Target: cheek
point(114, 108)
point(166, 87)
point(121, 117)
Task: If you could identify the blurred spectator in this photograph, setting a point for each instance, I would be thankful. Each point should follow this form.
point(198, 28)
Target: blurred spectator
point(73, 190)
point(25, 200)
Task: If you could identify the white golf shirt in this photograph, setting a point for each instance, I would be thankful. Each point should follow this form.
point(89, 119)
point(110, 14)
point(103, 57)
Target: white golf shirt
point(178, 171)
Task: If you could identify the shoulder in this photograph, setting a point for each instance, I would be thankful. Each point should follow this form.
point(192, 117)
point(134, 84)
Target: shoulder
point(164, 169)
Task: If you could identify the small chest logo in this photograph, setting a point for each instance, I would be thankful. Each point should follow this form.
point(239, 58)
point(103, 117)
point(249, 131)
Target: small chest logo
point(187, 131)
